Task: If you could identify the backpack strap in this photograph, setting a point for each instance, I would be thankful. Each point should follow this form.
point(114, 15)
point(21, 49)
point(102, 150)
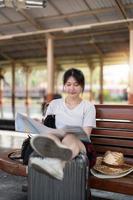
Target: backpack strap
point(13, 155)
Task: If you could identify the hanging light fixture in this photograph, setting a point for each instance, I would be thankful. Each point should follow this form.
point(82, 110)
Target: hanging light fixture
point(37, 4)
point(23, 4)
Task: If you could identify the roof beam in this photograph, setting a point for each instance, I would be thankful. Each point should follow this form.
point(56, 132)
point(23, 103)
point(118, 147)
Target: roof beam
point(60, 13)
point(13, 60)
point(25, 55)
point(65, 37)
point(98, 50)
point(10, 22)
point(30, 20)
point(42, 42)
point(68, 29)
point(81, 35)
point(61, 46)
point(82, 13)
point(122, 10)
point(78, 14)
point(91, 10)
point(71, 15)
point(95, 62)
point(61, 16)
point(109, 58)
point(4, 55)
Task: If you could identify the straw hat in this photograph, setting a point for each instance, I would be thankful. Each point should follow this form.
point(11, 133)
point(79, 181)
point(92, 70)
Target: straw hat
point(112, 164)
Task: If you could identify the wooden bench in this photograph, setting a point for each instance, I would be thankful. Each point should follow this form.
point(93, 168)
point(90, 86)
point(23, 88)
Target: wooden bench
point(114, 132)
point(14, 167)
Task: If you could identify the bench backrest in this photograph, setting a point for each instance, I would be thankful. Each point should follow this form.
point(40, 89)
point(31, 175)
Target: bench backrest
point(114, 130)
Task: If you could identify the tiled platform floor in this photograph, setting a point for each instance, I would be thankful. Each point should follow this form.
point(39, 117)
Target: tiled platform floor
point(11, 189)
point(109, 195)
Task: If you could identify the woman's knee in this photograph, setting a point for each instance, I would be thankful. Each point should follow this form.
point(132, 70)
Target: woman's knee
point(70, 138)
point(73, 141)
point(54, 137)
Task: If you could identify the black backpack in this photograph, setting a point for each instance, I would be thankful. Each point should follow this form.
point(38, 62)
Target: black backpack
point(25, 152)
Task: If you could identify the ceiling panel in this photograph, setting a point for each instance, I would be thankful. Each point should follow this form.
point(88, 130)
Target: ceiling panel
point(97, 4)
point(12, 14)
point(69, 6)
point(99, 38)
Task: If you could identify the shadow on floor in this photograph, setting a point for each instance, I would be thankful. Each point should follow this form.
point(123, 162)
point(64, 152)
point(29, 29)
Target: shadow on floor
point(11, 187)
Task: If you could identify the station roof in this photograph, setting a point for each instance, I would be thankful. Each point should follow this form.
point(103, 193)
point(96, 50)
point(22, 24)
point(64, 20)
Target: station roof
point(83, 31)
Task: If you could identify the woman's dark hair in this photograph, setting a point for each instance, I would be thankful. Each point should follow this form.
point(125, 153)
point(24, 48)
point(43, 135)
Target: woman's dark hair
point(77, 74)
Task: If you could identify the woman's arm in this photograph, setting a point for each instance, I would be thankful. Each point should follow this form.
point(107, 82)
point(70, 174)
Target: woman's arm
point(87, 133)
point(87, 130)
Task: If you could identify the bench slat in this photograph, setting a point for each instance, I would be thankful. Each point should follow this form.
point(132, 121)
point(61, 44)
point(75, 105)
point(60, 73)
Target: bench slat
point(122, 185)
point(118, 125)
point(103, 149)
point(113, 142)
point(121, 112)
point(113, 133)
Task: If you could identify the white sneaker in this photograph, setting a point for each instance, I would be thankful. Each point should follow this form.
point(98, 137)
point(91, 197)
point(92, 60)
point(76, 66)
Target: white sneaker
point(47, 147)
point(50, 166)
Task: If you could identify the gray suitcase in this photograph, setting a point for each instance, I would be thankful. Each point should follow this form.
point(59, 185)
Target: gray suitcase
point(74, 185)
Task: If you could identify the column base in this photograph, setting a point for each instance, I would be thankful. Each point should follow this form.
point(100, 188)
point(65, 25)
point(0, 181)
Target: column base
point(130, 98)
point(28, 101)
point(1, 101)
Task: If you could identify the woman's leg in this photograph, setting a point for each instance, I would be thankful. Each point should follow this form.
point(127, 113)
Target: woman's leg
point(51, 146)
point(73, 143)
point(54, 137)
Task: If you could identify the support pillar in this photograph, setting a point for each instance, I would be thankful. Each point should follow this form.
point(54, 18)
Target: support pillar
point(57, 71)
point(130, 92)
point(90, 65)
point(1, 88)
point(27, 98)
point(101, 98)
point(50, 67)
point(13, 89)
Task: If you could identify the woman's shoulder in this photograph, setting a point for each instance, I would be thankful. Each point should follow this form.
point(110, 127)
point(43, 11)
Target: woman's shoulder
point(56, 101)
point(88, 107)
point(87, 103)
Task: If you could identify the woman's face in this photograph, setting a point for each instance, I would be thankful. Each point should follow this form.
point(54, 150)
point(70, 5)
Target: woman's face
point(72, 87)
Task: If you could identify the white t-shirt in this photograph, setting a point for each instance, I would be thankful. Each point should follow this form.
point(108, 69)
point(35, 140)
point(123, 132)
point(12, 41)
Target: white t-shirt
point(83, 115)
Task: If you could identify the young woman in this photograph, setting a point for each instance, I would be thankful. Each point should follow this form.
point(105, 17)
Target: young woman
point(70, 111)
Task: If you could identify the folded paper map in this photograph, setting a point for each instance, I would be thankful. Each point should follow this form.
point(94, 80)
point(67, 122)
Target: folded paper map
point(31, 126)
